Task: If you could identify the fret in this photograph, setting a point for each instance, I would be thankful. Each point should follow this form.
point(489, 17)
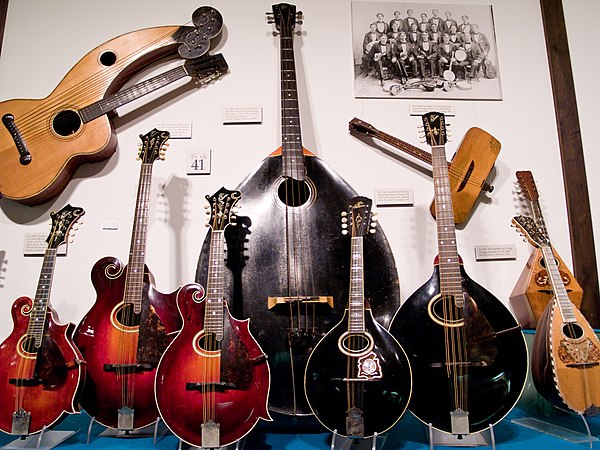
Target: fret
point(560, 292)
point(213, 314)
point(356, 307)
point(37, 316)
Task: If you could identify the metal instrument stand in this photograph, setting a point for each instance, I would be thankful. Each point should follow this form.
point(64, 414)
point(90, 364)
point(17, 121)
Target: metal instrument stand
point(239, 445)
point(45, 440)
point(483, 438)
point(339, 442)
point(147, 431)
point(558, 431)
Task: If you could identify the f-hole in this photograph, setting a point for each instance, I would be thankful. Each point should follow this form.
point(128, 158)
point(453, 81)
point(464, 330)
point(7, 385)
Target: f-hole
point(572, 331)
point(66, 123)
point(294, 193)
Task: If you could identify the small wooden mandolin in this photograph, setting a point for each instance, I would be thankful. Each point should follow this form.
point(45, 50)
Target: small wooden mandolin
point(41, 371)
point(565, 358)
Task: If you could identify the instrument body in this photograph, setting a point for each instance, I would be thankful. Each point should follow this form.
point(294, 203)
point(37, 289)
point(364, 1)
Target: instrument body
point(240, 362)
point(41, 370)
point(131, 324)
point(467, 352)
point(566, 351)
point(290, 277)
point(469, 168)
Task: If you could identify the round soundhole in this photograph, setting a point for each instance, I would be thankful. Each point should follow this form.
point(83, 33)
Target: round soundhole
point(208, 342)
point(294, 193)
point(108, 58)
point(572, 331)
point(543, 262)
point(443, 310)
point(126, 316)
point(355, 344)
point(66, 123)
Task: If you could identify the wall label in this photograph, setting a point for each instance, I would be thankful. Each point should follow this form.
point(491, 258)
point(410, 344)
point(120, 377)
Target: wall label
point(495, 251)
point(394, 197)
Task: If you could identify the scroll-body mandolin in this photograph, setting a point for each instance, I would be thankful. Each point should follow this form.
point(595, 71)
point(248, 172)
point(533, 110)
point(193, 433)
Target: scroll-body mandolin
point(212, 383)
point(565, 362)
point(124, 334)
point(43, 141)
point(467, 352)
point(288, 262)
point(41, 371)
point(470, 166)
point(358, 378)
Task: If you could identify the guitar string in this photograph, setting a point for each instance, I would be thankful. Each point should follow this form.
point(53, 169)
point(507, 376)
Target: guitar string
point(84, 91)
point(425, 157)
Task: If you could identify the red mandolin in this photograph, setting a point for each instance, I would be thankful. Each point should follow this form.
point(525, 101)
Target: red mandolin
point(212, 382)
point(41, 370)
point(125, 333)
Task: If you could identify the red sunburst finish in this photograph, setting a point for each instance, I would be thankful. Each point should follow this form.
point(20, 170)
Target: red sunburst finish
point(240, 363)
point(58, 364)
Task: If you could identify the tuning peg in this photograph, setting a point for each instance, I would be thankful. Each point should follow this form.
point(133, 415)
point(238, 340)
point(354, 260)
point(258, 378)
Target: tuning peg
point(207, 212)
point(344, 213)
point(374, 224)
point(372, 231)
point(344, 226)
point(344, 219)
point(420, 127)
point(206, 206)
point(344, 232)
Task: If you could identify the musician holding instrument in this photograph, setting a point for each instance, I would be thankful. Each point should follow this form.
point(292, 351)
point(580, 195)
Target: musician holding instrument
point(480, 39)
point(474, 57)
point(445, 53)
point(381, 56)
point(426, 52)
point(370, 38)
point(394, 34)
point(404, 54)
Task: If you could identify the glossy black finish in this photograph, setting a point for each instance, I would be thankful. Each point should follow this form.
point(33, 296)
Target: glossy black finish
point(258, 263)
point(491, 390)
point(381, 401)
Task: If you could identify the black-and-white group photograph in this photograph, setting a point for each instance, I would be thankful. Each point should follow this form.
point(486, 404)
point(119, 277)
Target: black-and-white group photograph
point(424, 50)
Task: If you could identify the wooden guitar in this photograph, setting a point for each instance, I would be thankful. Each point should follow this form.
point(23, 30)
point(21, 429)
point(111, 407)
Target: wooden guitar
point(124, 334)
point(43, 141)
point(466, 350)
point(288, 263)
point(358, 378)
point(468, 171)
point(212, 383)
point(566, 352)
point(41, 370)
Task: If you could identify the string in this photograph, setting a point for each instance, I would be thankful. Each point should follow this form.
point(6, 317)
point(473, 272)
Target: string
point(82, 92)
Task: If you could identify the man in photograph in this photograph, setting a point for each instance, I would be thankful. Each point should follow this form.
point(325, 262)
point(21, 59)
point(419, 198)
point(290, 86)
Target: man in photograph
point(404, 57)
point(396, 20)
point(436, 20)
point(426, 55)
point(381, 56)
point(413, 36)
point(382, 26)
point(480, 39)
point(465, 26)
point(445, 53)
point(435, 35)
point(474, 57)
point(409, 20)
point(370, 38)
point(448, 22)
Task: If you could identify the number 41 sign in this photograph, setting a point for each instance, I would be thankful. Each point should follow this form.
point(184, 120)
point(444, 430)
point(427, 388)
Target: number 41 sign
point(198, 162)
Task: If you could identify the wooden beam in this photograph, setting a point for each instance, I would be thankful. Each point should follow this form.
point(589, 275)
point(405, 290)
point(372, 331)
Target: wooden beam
point(573, 166)
point(3, 13)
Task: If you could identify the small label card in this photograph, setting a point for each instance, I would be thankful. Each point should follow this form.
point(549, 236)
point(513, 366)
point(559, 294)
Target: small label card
point(198, 162)
point(35, 245)
point(495, 251)
point(419, 110)
point(242, 114)
point(177, 130)
point(110, 225)
point(394, 197)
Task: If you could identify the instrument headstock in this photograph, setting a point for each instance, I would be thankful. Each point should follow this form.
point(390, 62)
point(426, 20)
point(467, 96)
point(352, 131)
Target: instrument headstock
point(221, 205)
point(434, 124)
point(62, 223)
point(285, 18)
point(527, 185)
point(537, 236)
point(359, 217)
point(361, 127)
point(207, 68)
point(153, 146)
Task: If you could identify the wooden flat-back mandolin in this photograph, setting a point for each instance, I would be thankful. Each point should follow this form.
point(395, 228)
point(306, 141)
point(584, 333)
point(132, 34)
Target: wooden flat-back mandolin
point(43, 141)
point(565, 358)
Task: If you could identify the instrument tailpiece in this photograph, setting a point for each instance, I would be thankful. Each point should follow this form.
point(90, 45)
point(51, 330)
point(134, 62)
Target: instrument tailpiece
point(459, 420)
point(211, 434)
point(125, 418)
point(20, 422)
point(355, 423)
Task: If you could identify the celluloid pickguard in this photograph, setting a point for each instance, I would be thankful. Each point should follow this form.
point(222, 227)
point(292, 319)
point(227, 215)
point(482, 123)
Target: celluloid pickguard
point(585, 351)
point(369, 367)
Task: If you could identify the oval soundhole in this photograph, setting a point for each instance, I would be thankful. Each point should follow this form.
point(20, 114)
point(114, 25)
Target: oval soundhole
point(572, 331)
point(66, 123)
point(127, 317)
point(355, 344)
point(442, 310)
point(294, 193)
point(208, 342)
point(28, 345)
point(108, 58)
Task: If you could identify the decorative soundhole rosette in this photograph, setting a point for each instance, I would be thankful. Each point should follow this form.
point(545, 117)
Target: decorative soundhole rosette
point(369, 367)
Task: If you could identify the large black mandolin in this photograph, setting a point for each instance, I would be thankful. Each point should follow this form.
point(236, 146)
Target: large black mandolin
point(288, 263)
point(358, 378)
point(467, 352)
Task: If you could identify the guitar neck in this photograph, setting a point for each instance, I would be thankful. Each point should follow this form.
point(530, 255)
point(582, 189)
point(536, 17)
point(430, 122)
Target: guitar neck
point(356, 308)
point(449, 265)
point(213, 315)
point(127, 95)
point(291, 133)
point(37, 317)
point(134, 281)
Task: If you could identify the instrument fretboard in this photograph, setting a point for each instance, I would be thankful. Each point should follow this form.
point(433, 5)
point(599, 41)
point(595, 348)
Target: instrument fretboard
point(37, 317)
point(213, 314)
point(356, 308)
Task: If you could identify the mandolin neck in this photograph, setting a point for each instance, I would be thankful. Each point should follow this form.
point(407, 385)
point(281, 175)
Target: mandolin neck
point(134, 281)
point(291, 134)
point(356, 308)
point(449, 264)
point(213, 315)
point(37, 317)
point(422, 155)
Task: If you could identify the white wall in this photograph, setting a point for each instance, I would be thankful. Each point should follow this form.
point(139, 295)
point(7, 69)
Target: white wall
point(43, 40)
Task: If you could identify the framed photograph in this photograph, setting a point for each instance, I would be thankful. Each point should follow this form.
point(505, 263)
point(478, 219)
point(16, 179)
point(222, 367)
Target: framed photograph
point(424, 50)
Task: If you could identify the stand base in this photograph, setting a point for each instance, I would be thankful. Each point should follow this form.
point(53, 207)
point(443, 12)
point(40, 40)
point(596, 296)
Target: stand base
point(483, 438)
point(556, 431)
point(43, 441)
point(344, 443)
point(238, 445)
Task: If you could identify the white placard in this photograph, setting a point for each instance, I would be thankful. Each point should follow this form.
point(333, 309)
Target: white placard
point(394, 197)
point(178, 130)
point(242, 114)
point(198, 162)
point(495, 251)
point(419, 110)
point(35, 244)
point(111, 225)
